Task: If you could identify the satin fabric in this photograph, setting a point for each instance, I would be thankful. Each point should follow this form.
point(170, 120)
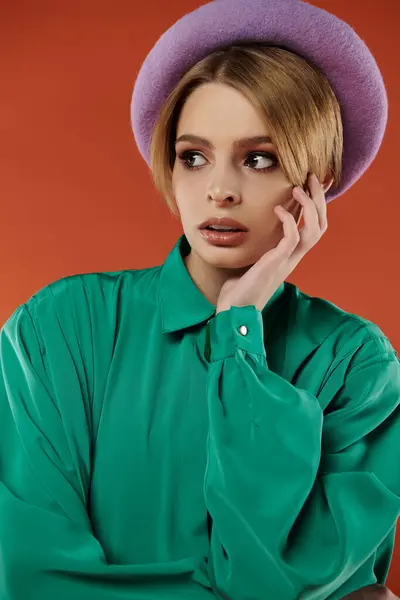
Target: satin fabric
point(153, 450)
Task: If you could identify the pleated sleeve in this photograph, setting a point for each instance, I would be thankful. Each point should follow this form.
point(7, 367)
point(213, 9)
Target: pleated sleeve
point(48, 549)
point(301, 490)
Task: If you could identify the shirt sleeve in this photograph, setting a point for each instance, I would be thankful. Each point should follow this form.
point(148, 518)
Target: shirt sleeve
point(48, 549)
point(299, 500)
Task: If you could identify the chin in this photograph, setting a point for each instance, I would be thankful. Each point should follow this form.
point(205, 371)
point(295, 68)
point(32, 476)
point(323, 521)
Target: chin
point(227, 257)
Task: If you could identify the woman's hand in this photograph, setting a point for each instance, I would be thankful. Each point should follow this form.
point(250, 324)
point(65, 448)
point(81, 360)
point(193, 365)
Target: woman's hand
point(371, 592)
point(261, 281)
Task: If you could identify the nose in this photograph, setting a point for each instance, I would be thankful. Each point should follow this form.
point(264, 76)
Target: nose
point(223, 197)
point(222, 185)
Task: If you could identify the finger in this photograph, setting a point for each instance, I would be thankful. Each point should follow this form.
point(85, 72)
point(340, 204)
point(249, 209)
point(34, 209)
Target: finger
point(311, 231)
point(318, 196)
point(291, 236)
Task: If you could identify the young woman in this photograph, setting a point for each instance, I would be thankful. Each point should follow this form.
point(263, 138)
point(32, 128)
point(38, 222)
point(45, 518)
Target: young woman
point(203, 429)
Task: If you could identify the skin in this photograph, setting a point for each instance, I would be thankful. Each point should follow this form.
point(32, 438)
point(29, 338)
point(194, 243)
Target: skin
point(227, 181)
point(260, 282)
point(372, 592)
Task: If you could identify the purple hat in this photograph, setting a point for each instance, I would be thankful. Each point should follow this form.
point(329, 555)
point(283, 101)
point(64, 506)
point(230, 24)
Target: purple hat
point(330, 44)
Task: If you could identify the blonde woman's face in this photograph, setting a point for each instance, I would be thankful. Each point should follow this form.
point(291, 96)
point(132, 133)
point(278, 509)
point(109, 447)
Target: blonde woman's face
point(223, 175)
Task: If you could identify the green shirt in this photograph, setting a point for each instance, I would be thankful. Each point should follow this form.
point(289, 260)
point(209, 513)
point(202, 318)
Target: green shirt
point(152, 450)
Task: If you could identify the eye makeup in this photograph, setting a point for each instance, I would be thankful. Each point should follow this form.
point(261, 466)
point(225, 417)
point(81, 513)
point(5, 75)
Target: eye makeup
point(187, 155)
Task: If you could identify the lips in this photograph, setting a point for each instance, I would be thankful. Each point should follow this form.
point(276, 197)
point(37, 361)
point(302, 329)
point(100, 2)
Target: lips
point(223, 222)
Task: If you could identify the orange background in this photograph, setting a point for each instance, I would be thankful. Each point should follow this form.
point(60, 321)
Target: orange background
point(77, 197)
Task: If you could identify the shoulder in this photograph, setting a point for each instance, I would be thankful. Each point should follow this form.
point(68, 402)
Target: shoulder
point(96, 287)
point(76, 305)
point(328, 323)
point(92, 289)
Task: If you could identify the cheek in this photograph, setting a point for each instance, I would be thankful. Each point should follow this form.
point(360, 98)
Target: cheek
point(267, 230)
point(183, 188)
point(266, 191)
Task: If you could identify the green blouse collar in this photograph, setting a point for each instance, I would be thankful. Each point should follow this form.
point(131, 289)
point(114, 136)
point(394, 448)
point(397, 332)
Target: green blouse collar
point(182, 303)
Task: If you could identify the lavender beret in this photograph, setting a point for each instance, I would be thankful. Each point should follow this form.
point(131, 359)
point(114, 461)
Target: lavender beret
point(330, 43)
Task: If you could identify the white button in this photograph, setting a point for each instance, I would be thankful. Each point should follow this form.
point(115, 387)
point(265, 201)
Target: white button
point(243, 329)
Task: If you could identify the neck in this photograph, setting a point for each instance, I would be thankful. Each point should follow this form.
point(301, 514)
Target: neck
point(207, 278)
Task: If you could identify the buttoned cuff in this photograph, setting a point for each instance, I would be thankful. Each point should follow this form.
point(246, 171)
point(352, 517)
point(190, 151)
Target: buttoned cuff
point(239, 327)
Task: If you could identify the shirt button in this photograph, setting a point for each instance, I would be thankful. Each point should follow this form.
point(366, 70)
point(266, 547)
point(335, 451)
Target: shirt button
point(243, 329)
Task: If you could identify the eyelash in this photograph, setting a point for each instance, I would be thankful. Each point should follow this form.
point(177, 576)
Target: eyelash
point(183, 157)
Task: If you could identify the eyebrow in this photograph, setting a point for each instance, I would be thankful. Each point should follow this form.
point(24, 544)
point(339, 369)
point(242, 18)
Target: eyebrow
point(195, 139)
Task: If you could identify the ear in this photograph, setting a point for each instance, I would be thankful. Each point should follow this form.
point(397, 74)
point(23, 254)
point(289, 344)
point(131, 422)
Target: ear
point(328, 181)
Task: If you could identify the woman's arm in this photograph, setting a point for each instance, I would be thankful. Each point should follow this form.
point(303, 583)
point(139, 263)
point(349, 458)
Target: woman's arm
point(48, 550)
point(299, 501)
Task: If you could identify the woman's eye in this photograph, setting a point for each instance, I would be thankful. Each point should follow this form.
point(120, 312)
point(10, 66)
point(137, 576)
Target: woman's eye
point(185, 157)
point(266, 159)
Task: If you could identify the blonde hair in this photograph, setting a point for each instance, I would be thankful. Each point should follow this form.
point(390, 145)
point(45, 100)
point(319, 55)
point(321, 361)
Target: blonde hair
point(300, 107)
